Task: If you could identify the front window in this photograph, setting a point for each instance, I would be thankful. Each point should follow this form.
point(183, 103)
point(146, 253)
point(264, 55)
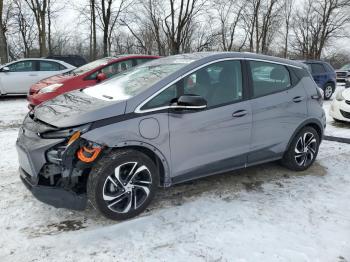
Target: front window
point(22, 66)
point(136, 80)
point(219, 84)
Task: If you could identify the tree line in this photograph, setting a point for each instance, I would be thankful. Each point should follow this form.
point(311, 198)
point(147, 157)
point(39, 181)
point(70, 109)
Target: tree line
point(297, 29)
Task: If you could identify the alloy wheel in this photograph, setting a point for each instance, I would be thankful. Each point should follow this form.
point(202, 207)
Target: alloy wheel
point(128, 188)
point(328, 91)
point(305, 149)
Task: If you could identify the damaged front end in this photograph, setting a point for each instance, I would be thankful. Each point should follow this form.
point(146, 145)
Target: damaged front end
point(55, 163)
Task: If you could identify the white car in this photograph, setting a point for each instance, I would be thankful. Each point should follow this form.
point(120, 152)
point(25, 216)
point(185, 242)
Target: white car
point(17, 77)
point(340, 107)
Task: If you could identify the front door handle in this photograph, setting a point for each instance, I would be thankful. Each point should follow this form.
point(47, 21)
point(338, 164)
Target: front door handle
point(239, 113)
point(298, 99)
point(33, 75)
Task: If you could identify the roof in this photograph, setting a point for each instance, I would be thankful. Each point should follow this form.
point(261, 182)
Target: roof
point(222, 55)
point(42, 59)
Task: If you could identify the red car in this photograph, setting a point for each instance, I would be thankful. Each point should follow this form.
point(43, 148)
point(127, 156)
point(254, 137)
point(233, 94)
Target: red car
point(82, 77)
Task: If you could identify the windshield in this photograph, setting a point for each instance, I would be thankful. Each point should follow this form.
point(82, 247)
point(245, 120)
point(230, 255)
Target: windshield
point(134, 81)
point(345, 67)
point(88, 67)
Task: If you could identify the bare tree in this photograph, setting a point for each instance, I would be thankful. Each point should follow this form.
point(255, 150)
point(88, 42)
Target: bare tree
point(39, 9)
point(22, 24)
point(262, 19)
point(93, 37)
point(3, 41)
point(54, 7)
point(317, 23)
point(287, 12)
point(177, 23)
point(109, 12)
point(229, 16)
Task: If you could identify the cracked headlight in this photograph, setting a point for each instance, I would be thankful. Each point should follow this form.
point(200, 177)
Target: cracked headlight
point(65, 133)
point(49, 88)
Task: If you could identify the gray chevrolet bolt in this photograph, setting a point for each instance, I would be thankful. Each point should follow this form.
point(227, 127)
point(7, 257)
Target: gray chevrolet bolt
point(168, 121)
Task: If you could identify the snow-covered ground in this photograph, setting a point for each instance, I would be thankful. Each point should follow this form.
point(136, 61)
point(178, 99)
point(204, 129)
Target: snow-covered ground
point(263, 213)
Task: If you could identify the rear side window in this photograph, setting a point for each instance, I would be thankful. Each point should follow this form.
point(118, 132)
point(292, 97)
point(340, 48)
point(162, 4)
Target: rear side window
point(49, 66)
point(218, 84)
point(329, 67)
point(112, 69)
point(62, 67)
point(269, 78)
point(143, 60)
point(317, 68)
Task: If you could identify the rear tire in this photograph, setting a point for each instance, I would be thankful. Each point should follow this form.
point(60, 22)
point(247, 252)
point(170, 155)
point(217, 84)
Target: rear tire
point(303, 150)
point(328, 91)
point(122, 184)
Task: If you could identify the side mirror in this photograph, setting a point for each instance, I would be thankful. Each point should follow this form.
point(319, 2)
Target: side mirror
point(101, 77)
point(190, 102)
point(5, 69)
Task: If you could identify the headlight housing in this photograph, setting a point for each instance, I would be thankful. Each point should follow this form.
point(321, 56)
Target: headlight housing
point(49, 88)
point(340, 96)
point(65, 133)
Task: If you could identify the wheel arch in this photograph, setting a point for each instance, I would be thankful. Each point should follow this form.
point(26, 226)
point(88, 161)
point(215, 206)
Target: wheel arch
point(329, 82)
point(156, 156)
point(314, 123)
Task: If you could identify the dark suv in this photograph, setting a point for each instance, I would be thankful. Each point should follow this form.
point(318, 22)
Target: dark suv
point(324, 76)
point(75, 60)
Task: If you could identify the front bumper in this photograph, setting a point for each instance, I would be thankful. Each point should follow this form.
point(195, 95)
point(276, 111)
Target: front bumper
point(337, 107)
point(54, 196)
point(32, 158)
point(342, 79)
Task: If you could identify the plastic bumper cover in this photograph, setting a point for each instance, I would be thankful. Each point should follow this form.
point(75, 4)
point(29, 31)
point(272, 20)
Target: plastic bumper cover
point(54, 196)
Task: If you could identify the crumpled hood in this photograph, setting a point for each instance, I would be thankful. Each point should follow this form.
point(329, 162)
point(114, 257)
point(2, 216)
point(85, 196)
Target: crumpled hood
point(57, 79)
point(77, 108)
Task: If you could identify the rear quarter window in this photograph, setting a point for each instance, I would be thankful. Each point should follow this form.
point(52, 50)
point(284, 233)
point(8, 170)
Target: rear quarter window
point(317, 68)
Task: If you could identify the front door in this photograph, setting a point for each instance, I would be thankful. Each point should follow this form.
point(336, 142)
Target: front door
point(215, 139)
point(21, 76)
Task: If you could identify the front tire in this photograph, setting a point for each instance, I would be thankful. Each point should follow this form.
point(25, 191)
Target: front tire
point(303, 150)
point(122, 184)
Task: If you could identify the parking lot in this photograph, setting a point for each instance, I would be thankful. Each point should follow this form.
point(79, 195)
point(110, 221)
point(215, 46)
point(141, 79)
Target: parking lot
point(261, 213)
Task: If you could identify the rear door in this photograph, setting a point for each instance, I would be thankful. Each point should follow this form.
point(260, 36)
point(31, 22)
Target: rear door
point(278, 107)
point(21, 76)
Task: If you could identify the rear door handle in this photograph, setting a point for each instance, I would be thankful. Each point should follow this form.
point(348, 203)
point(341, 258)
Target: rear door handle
point(239, 113)
point(33, 75)
point(298, 99)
